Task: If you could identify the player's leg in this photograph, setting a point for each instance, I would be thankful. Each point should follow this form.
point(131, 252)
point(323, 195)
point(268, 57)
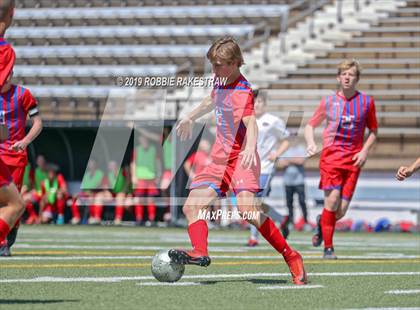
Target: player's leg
point(119, 208)
point(331, 203)
point(253, 238)
point(61, 205)
point(300, 190)
point(349, 186)
point(289, 203)
point(268, 229)
point(198, 199)
point(152, 192)
point(331, 183)
point(17, 176)
point(30, 199)
point(12, 209)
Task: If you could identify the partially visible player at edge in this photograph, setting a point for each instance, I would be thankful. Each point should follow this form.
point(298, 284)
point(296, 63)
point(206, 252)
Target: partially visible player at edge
point(235, 162)
point(347, 112)
point(11, 203)
point(406, 172)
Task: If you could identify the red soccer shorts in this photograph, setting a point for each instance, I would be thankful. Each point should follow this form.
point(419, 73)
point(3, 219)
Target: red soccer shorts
point(17, 175)
point(342, 179)
point(5, 177)
point(146, 188)
point(222, 177)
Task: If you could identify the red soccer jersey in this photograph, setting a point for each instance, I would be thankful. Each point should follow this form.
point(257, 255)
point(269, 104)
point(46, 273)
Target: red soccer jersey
point(232, 102)
point(343, 134)
point(198, 161)
point(7, 60)
point(15, 106)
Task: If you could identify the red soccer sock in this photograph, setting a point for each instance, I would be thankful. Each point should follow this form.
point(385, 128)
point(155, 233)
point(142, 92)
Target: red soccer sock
point(31, 209)
point(60, 206)
point(4, 230)
point(151, 212)
point(328, 226)
point(98, 210)
point(139, 212)
point(199, 232)
point(119, 212)
point(272, 234)
point(75, 209)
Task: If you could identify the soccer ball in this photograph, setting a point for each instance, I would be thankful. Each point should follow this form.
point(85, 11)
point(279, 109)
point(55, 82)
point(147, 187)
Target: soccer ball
point(165, 270)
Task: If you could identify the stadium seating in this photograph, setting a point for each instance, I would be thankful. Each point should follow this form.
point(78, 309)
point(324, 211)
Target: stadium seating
point(72, 59)
point(389, 53)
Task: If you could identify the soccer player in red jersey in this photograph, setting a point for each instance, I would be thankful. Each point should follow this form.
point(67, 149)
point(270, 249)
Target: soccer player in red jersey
point(7, 54)
point(16, 104)
point(347, 113)
point(235, 162)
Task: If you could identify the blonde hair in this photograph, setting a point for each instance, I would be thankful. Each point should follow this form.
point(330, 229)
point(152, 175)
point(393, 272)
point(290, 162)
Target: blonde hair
point(5, 6)
point(347, 64)
point(227, 49)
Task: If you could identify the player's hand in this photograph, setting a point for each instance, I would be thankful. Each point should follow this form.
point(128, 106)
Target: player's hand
point(311, 149)
point(249, 158)
point(184, 129)
point(19, 146)
point(272, 156)
point(403, 173)
point(360, 159)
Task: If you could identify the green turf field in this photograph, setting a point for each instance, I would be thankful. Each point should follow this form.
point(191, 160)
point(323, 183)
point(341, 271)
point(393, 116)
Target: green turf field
point(109, 268)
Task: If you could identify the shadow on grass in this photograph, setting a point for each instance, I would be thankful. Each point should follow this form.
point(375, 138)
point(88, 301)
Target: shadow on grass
point(35, 301)
point(253, 281)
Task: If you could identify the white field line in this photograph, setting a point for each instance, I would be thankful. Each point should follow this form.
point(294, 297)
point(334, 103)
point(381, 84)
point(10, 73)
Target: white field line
point(403, 292)
point(168, 284)
point(286, 287)
point(237, 241)
point(112, 247)
point(146, 247)
point(206, 277)
point(139, 257)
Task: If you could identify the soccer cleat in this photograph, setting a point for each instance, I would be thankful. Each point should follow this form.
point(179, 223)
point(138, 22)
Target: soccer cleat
point(75, 221)
point(295, 263)
point(329, 253)
point(188, 258)
point(317, 237)
point(252, 243)
point(4, 249)
point(94, 221)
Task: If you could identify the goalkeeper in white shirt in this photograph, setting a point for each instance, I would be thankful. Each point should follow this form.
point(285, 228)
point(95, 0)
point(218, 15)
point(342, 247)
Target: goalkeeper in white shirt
point(272, 143)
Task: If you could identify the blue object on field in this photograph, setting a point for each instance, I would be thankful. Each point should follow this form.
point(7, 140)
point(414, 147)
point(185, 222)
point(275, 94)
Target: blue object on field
point(383, 224)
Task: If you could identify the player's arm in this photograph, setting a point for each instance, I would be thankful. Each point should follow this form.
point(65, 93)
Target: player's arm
point(249, 153)
point(361, 157)
point(405, 172)
point(283, 146)
point(315, 121)
point(35, 130)
point(184, 127)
